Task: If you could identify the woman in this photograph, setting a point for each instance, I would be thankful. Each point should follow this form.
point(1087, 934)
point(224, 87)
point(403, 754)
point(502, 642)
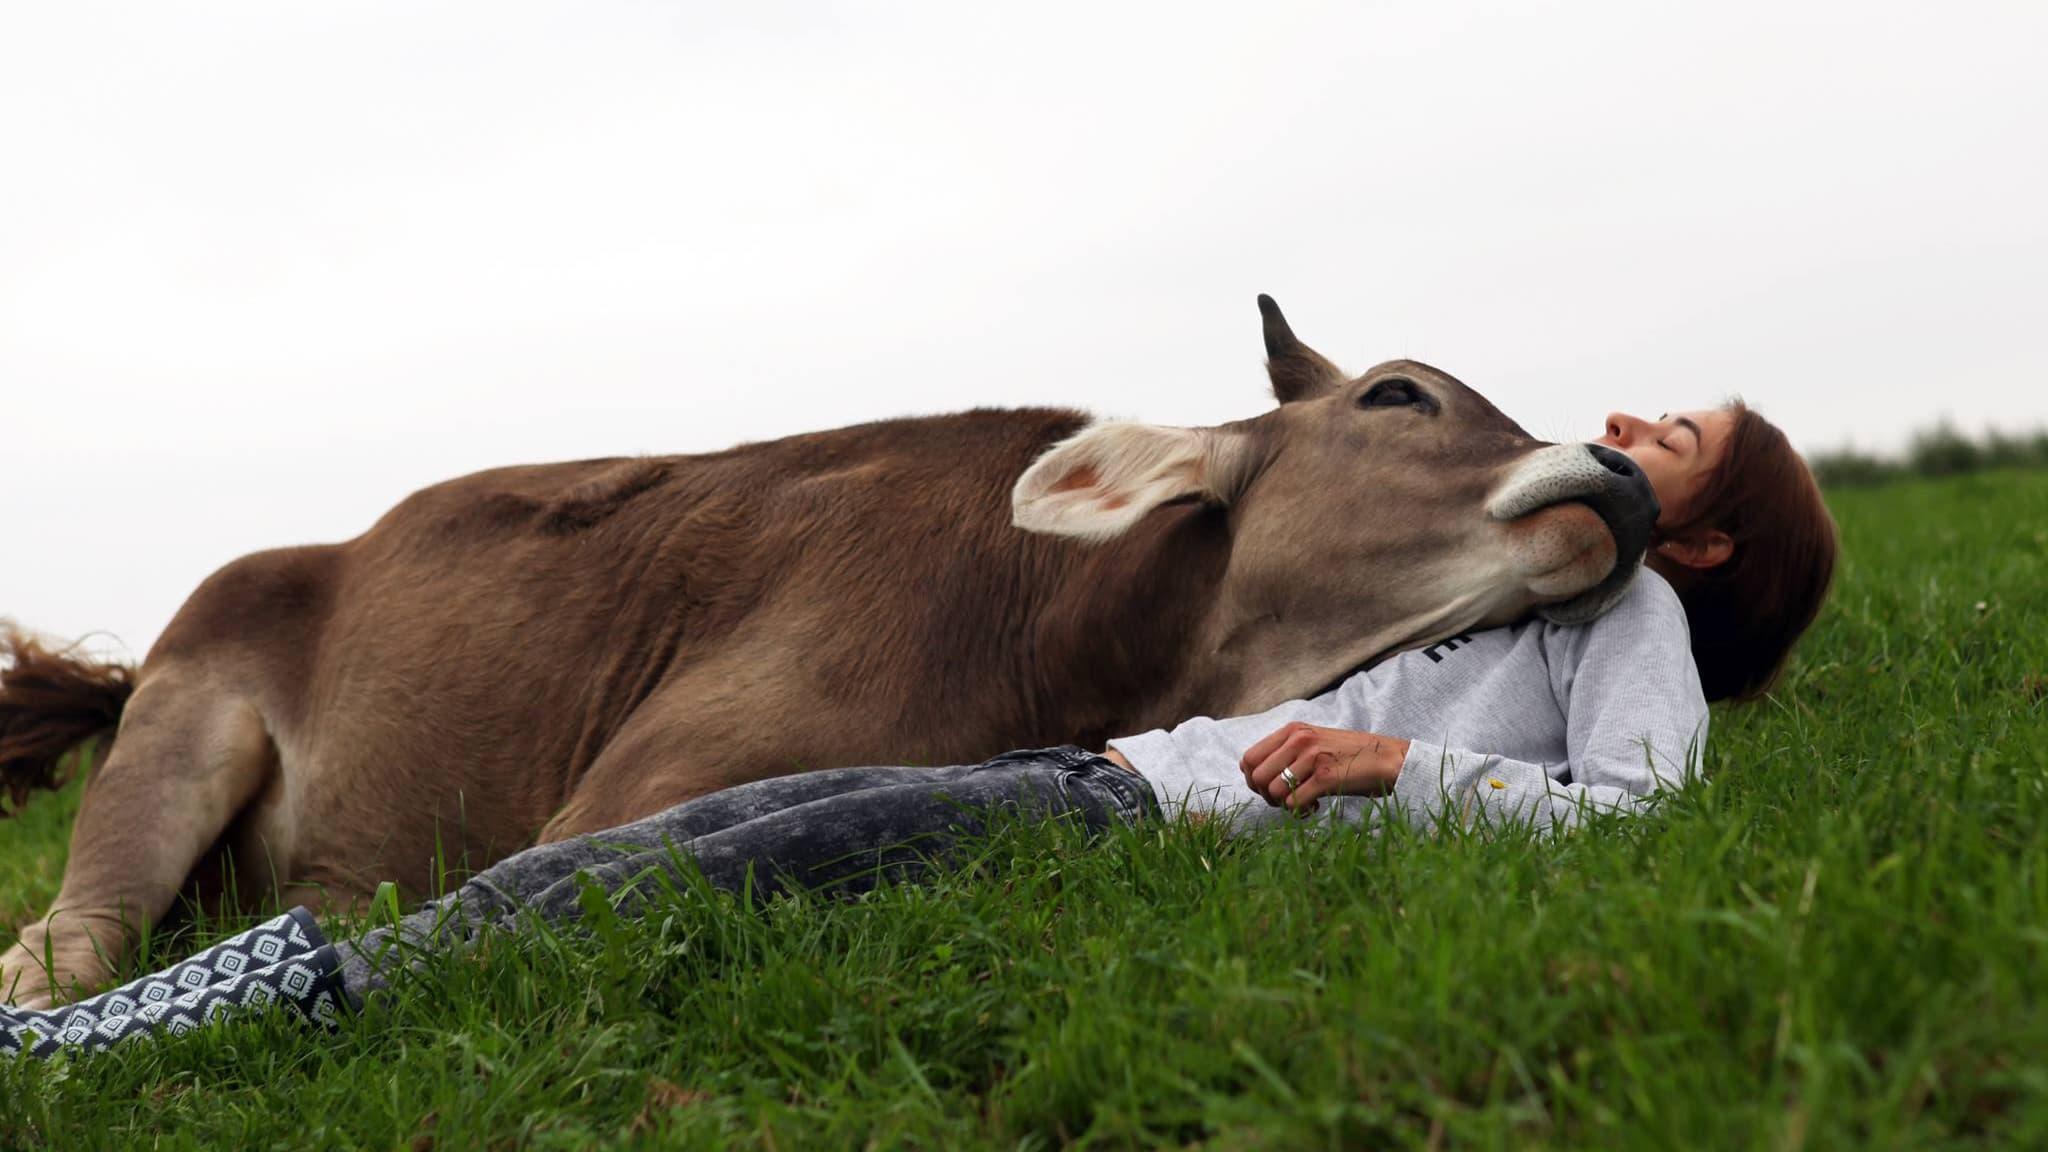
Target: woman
point(1534, 722)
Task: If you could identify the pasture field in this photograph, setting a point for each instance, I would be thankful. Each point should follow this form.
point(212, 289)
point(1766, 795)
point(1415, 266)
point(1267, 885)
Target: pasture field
point(1838, 940)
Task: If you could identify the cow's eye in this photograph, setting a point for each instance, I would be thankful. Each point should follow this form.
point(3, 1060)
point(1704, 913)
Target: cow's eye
point(1395, 393)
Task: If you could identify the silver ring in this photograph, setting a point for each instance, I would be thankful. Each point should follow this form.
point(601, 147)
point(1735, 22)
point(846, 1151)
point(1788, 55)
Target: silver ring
point(1288, 778)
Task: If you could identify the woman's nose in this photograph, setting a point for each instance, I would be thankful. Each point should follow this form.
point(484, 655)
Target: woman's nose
point(1626, 429)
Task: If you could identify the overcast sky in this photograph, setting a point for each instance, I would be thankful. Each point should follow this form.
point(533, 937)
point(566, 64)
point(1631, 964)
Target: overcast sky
point(265, 268)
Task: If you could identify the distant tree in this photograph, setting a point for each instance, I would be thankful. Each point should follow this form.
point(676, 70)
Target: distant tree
point(1941, 450)
point(1849, 468)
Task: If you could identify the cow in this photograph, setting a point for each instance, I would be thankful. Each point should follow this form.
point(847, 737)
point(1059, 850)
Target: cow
point(545, 651)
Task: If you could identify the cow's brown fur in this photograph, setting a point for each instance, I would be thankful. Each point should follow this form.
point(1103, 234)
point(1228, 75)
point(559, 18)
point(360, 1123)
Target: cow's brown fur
point(550, 650)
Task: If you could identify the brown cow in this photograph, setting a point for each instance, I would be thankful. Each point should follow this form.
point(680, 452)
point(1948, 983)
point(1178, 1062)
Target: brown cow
point(549, 650)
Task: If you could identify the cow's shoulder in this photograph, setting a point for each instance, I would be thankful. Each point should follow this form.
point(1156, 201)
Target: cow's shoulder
point(958, 438)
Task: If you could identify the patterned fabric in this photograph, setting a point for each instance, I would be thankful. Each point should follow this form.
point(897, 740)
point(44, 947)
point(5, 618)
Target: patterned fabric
point(291, 934)
point(283, 961)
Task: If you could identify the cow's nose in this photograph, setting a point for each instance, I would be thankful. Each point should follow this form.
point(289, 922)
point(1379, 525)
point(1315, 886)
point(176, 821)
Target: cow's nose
point(1631, 488)
point(1615, 462)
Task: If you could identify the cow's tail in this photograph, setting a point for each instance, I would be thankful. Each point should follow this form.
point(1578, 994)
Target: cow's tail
point(50, 703)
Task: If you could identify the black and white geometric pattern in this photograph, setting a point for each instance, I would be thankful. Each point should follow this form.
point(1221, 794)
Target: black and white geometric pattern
point(284, 961)
point(291, 934)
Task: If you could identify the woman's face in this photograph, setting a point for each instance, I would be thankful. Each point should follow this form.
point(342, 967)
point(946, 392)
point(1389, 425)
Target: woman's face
point(1677, 452)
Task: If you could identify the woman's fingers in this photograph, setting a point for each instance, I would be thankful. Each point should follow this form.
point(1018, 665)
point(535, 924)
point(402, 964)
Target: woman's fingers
point(1258, 753)
point(1325, 778)
point(1320, 762)
point(1295, 744)
point(1302, 750)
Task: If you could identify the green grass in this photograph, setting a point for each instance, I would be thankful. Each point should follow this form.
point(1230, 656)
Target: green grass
point(1839, 940)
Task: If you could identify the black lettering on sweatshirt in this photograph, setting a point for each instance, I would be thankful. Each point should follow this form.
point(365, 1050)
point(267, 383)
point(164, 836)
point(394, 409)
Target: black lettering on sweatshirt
point(1436, 651)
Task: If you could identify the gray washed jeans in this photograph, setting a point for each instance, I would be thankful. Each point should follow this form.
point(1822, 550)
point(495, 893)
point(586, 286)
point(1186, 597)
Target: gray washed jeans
point(844, 830)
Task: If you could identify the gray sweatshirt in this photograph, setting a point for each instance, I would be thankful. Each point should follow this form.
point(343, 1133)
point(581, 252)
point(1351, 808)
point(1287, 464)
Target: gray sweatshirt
point(1531, 722)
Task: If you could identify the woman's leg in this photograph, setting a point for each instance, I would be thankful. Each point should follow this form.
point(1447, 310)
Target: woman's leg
point(720, 810)
point(846, 839)
point(182, 989)
point(493, 894)
point(850, 844)
point(250, 966)
point(846, 829)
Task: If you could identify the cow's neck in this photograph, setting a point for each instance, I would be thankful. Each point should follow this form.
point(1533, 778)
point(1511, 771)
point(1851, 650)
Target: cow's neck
point(1155, 627)
point(1267, 649)
point(1122, 642)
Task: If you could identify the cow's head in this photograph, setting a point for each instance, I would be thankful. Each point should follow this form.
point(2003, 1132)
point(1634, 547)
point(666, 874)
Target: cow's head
point(1399, 504)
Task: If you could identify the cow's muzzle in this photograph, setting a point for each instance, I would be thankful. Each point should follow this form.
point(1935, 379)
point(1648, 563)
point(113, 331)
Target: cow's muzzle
point(1603, 480)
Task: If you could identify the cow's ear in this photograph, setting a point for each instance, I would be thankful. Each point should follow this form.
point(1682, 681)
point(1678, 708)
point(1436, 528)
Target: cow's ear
point(1298, 371)
point(1096, 484)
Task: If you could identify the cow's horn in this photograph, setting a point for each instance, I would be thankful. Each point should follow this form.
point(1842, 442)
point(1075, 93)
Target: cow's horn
point(1280, 340)
point(1297, 371)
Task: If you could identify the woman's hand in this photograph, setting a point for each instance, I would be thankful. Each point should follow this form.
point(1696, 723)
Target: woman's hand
point(1324, 762)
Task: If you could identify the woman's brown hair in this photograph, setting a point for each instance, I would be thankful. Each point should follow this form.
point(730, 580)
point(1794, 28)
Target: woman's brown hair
point(1746, 612)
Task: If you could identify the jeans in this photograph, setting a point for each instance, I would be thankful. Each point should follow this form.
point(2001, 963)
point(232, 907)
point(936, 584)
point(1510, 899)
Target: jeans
point(843, 830)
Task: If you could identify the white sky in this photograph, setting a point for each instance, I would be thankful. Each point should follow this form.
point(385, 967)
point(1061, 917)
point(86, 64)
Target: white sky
point(265, 268)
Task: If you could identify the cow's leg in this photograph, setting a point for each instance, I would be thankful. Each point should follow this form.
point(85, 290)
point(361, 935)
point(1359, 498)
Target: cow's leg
point(188, 757)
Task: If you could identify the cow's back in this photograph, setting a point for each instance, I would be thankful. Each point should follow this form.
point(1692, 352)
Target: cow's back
point(487, 638)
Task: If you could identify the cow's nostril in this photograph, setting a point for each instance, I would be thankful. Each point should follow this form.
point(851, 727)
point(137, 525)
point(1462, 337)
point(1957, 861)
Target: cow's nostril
point(1615, 462)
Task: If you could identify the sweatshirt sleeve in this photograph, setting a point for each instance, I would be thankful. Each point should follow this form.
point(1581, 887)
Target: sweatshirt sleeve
point(1635, 721)
point(1195, 762)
